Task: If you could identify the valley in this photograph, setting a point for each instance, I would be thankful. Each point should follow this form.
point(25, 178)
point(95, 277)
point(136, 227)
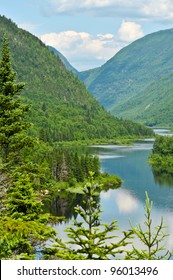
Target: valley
point(61, 109)
point(137, 83)
point(54, 151)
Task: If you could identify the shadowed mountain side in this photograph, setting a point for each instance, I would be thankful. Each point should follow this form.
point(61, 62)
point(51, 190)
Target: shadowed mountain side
point(137, 82)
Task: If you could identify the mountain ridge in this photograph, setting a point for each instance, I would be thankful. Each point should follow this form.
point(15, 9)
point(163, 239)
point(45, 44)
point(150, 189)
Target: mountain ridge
point(64, 60)
point(61, 107)
point(128, 78)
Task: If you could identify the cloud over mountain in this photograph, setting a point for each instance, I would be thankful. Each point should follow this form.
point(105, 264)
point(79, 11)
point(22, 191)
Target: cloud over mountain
point(82, 46)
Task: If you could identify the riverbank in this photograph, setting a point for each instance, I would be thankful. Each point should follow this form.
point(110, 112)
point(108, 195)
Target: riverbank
point(127, 202)
point(126, 140)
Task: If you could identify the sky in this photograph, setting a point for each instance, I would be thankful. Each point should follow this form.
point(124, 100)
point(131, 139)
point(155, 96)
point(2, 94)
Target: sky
point(89, 32)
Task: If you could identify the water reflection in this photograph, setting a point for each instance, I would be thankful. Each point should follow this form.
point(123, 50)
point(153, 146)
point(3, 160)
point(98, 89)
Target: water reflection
point(127, 209)
point(104, 156)
point(126, 202)
point(130, 164)
point(163, 179)
point(163, 132)
point(64, 206)
point(132, 167)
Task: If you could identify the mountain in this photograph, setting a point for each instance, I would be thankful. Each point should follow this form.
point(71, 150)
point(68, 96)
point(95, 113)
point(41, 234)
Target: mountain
point(137, 83)
point(64, 60)
point(61, 107)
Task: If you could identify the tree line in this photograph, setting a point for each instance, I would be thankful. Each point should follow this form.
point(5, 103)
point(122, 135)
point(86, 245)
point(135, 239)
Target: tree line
point(161, 158)
point(24, 182)
point(61, 107)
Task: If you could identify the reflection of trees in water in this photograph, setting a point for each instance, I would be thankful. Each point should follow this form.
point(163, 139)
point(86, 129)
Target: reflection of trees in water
point(162, 178)
point(64, 206)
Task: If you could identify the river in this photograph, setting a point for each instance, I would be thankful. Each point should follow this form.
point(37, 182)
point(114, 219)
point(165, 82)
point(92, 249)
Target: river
point(127, 203)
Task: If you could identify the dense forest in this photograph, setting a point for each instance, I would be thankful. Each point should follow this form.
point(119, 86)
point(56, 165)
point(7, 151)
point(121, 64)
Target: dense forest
point(136, 83)
point(61, 107)
point(64, 60)
point(26, 182)
point(161, 158)
point(31, 172)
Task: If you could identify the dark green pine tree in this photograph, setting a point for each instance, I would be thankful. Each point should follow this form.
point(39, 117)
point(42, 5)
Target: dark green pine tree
point(12, 123)
point(23, 225)
point(90, 237)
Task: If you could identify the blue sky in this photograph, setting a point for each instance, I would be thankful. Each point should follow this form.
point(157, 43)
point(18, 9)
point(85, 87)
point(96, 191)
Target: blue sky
point(89, 32)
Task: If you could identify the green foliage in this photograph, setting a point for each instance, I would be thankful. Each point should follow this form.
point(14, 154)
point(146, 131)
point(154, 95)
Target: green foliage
point(19, 238)
point(151, 239)
point(24, 197)
point(64, 60)
point(161, 157)
point(89, 236)
point(154, 105)
point(70, 166)
point(27, 180)
point(61, 107)
point(108, 181)
point(137, 82)
point(23, 225)
point(163, 145)
point(12, 123)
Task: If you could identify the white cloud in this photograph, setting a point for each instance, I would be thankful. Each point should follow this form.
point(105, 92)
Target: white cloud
point(128, 9)
point(85, 51)
point(83, 47)
point(107, 36)
point(130, 31)
point(162, 10)
point(73, 6)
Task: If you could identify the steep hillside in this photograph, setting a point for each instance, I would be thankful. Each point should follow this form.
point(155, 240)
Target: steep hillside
point(137, 82)
point(64, 60)
point(154, 106)
point(61, 107)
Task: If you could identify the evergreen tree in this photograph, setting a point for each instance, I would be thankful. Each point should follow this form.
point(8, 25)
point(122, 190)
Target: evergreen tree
point(151, 238)
point(91, 238)
point(23, 225)
point(12, 123)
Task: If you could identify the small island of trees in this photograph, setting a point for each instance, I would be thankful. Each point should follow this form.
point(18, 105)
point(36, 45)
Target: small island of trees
point(32, 170)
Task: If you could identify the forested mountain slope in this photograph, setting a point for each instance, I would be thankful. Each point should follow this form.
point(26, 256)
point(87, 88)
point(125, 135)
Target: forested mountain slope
point(64, 60)
point(137, 83)
point(61, 107)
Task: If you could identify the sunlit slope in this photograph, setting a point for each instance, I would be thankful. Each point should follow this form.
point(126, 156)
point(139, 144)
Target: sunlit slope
point(61, 107)
point(137, 82)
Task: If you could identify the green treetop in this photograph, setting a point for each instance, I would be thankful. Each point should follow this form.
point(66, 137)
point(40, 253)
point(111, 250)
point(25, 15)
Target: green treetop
point(12, 123)
point(23, 225)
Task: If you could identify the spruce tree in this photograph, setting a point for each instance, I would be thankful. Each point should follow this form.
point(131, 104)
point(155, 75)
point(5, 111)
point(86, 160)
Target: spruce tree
point(91, 238)
point(23, 225)
point(151, 238)
point(12, 123)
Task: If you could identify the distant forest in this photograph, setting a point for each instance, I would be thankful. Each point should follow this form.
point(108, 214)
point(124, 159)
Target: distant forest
point(61, 108)
point(33, 169)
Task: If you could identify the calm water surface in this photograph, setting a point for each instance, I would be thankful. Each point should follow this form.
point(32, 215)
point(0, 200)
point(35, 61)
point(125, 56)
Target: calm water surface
point(127, 202)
